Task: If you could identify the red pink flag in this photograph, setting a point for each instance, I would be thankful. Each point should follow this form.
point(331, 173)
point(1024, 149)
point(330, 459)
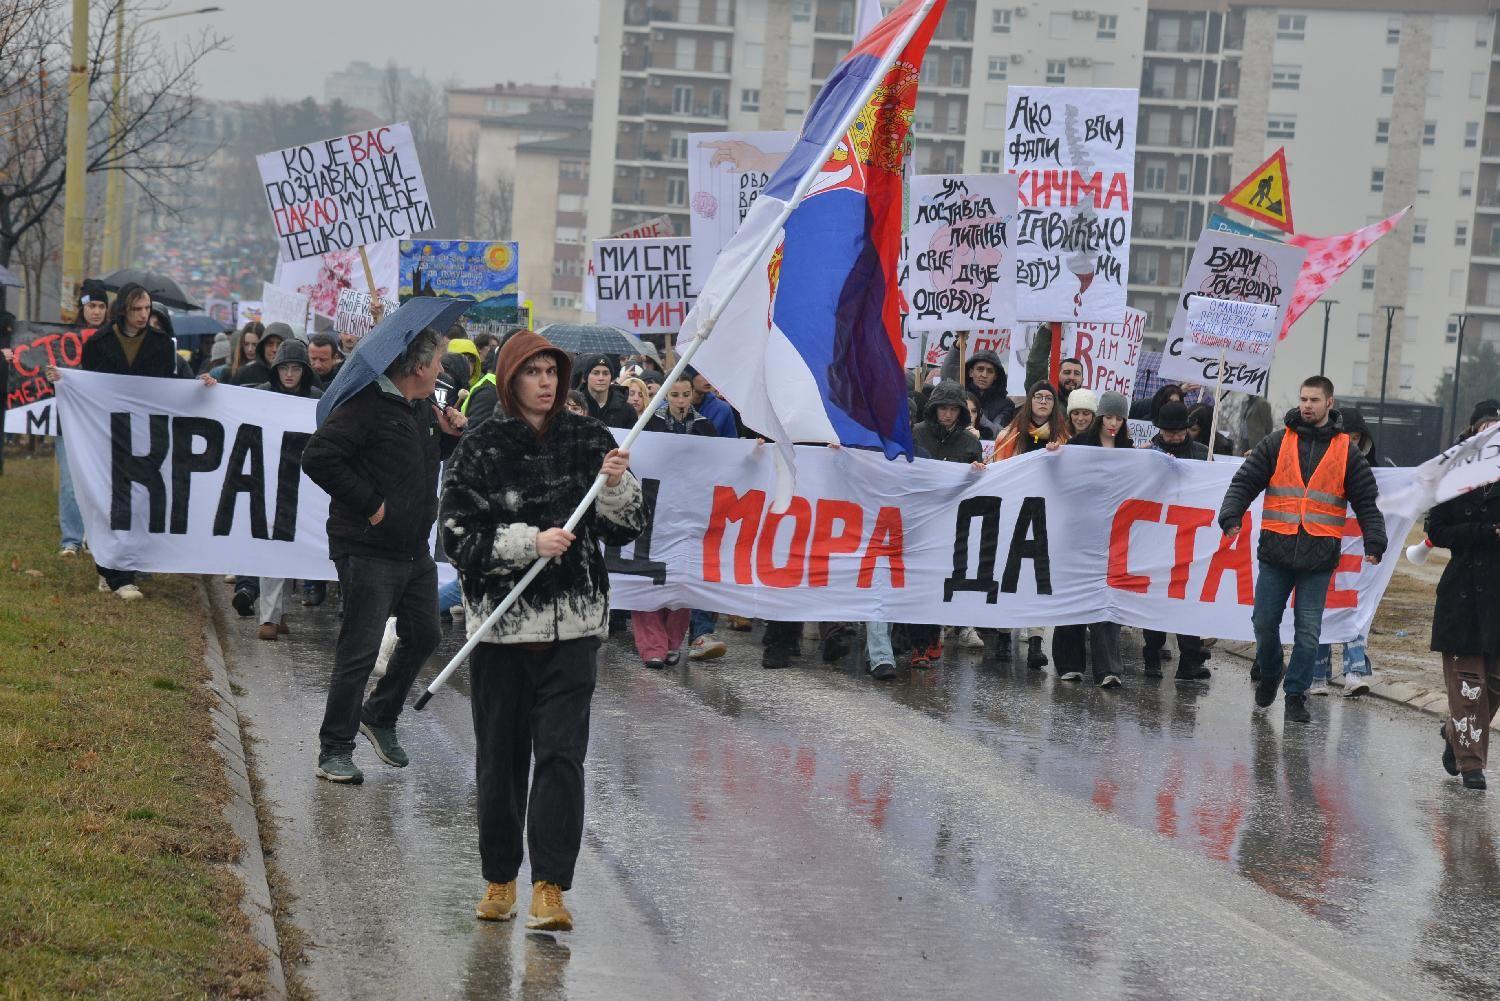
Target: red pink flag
point(1328, 257)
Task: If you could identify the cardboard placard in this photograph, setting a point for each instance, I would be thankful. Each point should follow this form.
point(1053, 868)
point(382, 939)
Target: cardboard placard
point(957, 267)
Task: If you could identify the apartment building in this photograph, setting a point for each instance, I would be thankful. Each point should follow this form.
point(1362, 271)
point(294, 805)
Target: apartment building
point(1378, 107)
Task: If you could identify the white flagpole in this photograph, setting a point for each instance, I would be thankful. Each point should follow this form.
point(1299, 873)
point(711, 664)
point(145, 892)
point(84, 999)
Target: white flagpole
point(715, 311)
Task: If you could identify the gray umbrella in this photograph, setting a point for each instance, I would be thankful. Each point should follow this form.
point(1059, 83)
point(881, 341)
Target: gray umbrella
point(163, 289)
point(593, 339)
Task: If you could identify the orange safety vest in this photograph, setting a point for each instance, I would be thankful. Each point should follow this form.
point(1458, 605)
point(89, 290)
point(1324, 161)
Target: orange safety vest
point(1318, 507)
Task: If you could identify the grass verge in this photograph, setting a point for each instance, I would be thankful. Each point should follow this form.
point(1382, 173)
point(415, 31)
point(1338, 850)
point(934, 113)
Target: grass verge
point(113, 880)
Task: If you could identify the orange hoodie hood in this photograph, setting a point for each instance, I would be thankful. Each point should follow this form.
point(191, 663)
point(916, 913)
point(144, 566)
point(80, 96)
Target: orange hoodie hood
point(522, 346)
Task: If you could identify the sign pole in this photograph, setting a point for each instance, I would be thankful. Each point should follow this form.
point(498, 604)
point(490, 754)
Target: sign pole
point(377, 307)
point(963, 355)
point(1213, 425)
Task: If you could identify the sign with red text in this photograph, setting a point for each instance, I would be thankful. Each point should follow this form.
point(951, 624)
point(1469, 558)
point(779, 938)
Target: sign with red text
point(1073, 151)
point(345, 192)
point(643, 286)
point(30, 400)
point(957, 267)
point(1110, 352)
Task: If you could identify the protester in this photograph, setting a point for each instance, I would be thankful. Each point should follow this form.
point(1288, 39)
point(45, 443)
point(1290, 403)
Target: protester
point(259, 370)
point(242, 348)
point(1465, 626)
point(1083, 405)
point(677, 415)
point(482, 398)
point(1358, 671)
point(605, 400)
point(348, 341)
point(93, 313)
point(1201, 425)
point(708, 403)
point(1147, 410)
point(377, 457)
point(577, 403)
point(218, 352)
point(637, 395)
point(1311, 473)
point(1111, 429)
point(291, 375)
point(1069, 378)
point(1033, 426)
point(324, 358)
point(984, 376)
point(971, 404)
point(128, 346)
point(513, 482)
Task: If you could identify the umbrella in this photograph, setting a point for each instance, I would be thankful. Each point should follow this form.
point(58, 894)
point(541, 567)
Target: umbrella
point(8, 277)
point(163, 289)
point(186, 325)
point(593, 339)
point(384, 344)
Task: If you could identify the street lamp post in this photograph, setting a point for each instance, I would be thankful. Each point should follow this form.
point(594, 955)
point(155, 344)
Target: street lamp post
point(1385, 367)
point(75, 188)
point(1328, 305)
point(1458, 364)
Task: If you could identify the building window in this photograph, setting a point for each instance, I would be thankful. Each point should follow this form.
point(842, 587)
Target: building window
point(1377, 180)
point(1408, 373)
point(1482, 33)
point(994, 116)
point(682, 100)
point(686, 57)
point(567, 234)
point(1060, 25)
point(1154, 177)
point(1393, 31)
point(929, 71)
point(1284, 127)
point(1000, 21)
point(1057, 71)
point(1367, 277)
point(1440, 33)
point(749, 100)
point(989, 161)
point(1424, 182)
point(1388, 81)
point(999, 68)
point(1429, 133)
point(677, 146)
point(1363, 326)
point(1419, 231)
point(1465, 183)
point(1414, 279)
point(677, 191)
point(1460, 234)
point(1291, 27)
point(1286, 77)
point(1184, 175)
point(755, 55)
point(1476, 85)
point(1435, 83)
point(1471, 135)
point(1361, 375)
point(572, 170)
point(1109, 26)
point(562, 300)
point(802, 10)
point(959, 70)
point(1382, 130)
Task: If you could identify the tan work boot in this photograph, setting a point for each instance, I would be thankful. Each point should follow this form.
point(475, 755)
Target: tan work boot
point(281, 627)
point(499, 903)
point(548, 912)
point(267, 631)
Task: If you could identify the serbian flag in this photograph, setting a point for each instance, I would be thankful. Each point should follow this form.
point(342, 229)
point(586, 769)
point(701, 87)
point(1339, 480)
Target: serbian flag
point(798, 323)
point(1328, 257)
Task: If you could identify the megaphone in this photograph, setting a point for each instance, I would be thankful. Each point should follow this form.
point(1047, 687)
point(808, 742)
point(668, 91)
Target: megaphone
point(1419, 553)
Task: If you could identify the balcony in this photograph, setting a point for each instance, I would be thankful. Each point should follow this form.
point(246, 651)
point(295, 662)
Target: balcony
point(639, 17)
point(1489, 201)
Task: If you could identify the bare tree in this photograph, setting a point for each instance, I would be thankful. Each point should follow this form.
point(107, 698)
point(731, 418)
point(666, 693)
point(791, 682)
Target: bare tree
point(35, 55)
point(495, 208)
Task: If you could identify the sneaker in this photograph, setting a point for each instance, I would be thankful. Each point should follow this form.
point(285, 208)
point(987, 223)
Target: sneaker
point(923, 659)
point(1266, 687)
point(103, 586)
point(548, 912)
point(314, 593)
point(1192, 671)
point(387, 747)
point(68, 551)
point(387, 647)
point(267, 631)
point(1450, 760)
point(707, 647)
point(243, 602)
point(674, 658)
point(1474, 779)
point(1070, 676)
point(499, 903)
point(883, 672)
point(128, 592)
point(739, 624)
point(1110, 681)
point(968, 637)
point(1356, 684)
point(656, 665)
point(1296, 709)
point(1318, 687)
point(339, 768)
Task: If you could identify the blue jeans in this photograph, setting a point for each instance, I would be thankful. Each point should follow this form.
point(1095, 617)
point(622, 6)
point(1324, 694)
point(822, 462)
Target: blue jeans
point(449, 595)
point(69, 518)
point(1355, 660)
point(1273, 586)
point(701, 624)
point(878, 643)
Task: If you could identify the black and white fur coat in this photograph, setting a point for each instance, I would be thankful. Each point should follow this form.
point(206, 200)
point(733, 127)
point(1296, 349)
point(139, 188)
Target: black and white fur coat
point(504, 485)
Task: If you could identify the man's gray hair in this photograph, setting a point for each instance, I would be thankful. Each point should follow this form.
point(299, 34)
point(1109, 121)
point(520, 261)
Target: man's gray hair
point(422, 349)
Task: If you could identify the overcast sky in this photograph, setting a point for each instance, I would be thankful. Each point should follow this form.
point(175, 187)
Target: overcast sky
point(284, 48)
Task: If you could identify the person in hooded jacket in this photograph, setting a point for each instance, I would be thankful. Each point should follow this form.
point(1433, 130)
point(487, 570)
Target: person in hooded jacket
point(242, 346)
point(1148, 409)
point(984, 376)
point(291, 375)
point(1202, 418)
point(606, 401)
point(259, 370)
point(1311, 474)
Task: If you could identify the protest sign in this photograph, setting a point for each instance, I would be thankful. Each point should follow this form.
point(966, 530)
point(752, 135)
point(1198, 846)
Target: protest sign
point(1110, 352)
point(643, 286)
point(174, 477)
point(487, 272)
point(1073, 149)
point(346, 192)
point(1234, 267)
point(278, 305)
point(939, 343)
point(726, 173)
point(1225, 344)
point(655, 226)
point(321, 279)
point(30, 400)
point(957, 268)
point(1141, 432)
point(248, 311)
point(352, 316)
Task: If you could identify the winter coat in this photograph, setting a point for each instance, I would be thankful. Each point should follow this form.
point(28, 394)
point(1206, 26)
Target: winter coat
point(378, 448)
point(1146, 410)
point(507, 482)
point(1014, 443)
point(1466, 618)
point(156, 357)
point(1355, 421)
point(1039, 358)
point(258, 370)
point(696, 423)
point(1186, 449)
point(616, 411)
point(954, 444)
point(721, 414)
point(293, 352)
point(995, 406)
point(1304, 552)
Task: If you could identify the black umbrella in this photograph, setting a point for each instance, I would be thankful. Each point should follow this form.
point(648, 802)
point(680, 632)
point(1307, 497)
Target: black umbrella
point(163, 289)
point(186, 325)
point(384, 344)
point(593, 339)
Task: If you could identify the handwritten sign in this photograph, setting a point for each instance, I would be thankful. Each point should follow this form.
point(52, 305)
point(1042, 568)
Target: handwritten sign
point(1141, 432)
point(939, 343)
point(1226, 343)
point(1110, 352)
point(321, 279)
point(487, 272)
point(352, 315)
point(727, 171)
point(643, 286)
point(30, 400)
point(655, 226)
point(1073, 149)
point(957, 264)
point(279, 305)
point(345, 192)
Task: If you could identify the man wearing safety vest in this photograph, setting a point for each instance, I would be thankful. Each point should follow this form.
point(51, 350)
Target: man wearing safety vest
point(1311, 473)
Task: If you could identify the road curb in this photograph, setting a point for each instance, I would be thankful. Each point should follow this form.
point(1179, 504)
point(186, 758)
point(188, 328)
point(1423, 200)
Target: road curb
point(1432, 701)
point(250, 867)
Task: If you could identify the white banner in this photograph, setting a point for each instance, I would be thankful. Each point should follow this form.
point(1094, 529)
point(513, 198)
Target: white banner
point(957, 268)
point(323, 279)
point(727, 171)
point(1110, 352)
point(1074, 151)
point(279, 305)
point(1224, 343)
point(643, 286)
point(346, 192)
point(176, 477)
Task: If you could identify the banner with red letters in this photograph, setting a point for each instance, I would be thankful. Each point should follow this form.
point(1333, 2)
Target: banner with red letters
point(30, 401)
point(176, 477)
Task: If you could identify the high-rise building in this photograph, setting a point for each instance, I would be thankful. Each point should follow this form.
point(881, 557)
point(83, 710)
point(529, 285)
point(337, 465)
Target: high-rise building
point(1378, 107)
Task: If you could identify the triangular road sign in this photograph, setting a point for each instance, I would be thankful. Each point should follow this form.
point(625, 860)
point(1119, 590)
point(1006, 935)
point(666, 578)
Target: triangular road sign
point(1266, 194)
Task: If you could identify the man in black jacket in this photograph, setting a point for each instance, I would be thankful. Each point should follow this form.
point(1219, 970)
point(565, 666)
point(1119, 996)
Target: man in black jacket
point(1308, 470)
point(606, 401)
point(1172, 437)
point(377, 456)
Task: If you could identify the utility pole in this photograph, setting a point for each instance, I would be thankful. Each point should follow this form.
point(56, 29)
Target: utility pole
point(1328, 305)
point(1458, 364)
point(1385, 367)
point(75, 189)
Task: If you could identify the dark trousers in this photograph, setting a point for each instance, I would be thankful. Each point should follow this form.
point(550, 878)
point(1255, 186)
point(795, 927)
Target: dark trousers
point(783, 636)
point(1273, 587)
point(1187, 646)
point(374, 590)
point(251, 584)
point(1100, 639)
point(116, 579)
point(531, 703)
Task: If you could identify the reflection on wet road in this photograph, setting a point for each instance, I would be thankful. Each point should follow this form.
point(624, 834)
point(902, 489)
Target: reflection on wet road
point(979, 829)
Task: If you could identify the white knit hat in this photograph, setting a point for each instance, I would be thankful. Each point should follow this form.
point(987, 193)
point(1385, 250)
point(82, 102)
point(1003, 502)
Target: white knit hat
point(1083, 399)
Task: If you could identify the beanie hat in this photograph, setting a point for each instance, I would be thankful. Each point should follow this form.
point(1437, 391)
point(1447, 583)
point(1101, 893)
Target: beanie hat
point(1083, 399)
point(1112, 404)
point(1484, 410)
point(591, 362)
point(92, 290)
point(219, 352)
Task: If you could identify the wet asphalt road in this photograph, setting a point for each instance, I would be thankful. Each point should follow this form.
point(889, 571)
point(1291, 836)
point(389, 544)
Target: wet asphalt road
point(977, 830)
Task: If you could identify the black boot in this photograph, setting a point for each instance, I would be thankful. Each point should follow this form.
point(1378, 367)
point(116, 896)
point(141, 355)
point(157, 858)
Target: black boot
point(776, 657)
point(1296, 709)
point(1265, 689)
point(1151, 662)
point(1474, 779)
point(1002, 643)
point(314, 592)
point(1450, 763)
point(1035, 659)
